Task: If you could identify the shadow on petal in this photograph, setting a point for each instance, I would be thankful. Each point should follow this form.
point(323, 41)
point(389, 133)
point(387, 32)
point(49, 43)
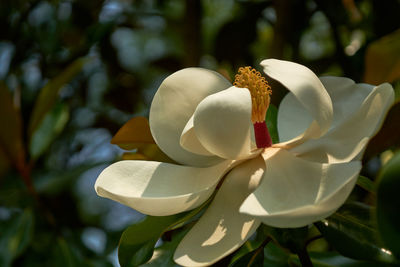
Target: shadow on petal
point(222, 229)
point(159, 189)
point(296, 192)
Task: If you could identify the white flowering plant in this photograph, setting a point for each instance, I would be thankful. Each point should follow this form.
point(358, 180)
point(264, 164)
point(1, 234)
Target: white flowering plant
point(225, 177)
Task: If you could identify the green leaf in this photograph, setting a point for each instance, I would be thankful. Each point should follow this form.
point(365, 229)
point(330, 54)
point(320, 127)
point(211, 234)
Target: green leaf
point(65, 254)
point(50, 127)
point(293, 239)
point(54, 182)
point(252, 258)
point(332, 259)
point(11, 144)
point(272, 123)
point(388, 203)
point(137, 242)
point(16, 234)
point(351, 232)
point(249, 249)
point(49, 94)
point(164, 255)
point(366, 184)
point(275, 256)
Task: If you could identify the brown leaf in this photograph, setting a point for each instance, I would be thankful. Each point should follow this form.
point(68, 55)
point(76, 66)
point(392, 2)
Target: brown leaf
point(11, 128)
point(133, 134)
point(148, 152)
point(382, 59)
point(388, 136)
point(153, 152)
point(133, 156)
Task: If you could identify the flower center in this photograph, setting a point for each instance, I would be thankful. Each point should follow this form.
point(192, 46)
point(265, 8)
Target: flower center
point(260, 92)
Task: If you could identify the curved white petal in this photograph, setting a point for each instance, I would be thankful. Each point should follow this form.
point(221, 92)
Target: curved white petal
point(174, 104)
point(347, 96)
point(359, 111)
point(190, 142)
point(295, 192)
point(307, 89)
point(222, 123)
point(222, 229)
point(156, 188)
point(293, 119)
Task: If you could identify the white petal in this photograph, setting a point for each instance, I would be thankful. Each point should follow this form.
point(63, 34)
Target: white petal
point(307, 89)
point(156, 188)
point(359, 112)
point(295, 192)
point(222, 229)
point(190, 142)
point(174, 104)
point(293, 118)
point(222, 123)
point(346, 96)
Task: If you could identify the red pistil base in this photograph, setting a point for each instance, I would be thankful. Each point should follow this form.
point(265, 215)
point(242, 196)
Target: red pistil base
point(263, 139)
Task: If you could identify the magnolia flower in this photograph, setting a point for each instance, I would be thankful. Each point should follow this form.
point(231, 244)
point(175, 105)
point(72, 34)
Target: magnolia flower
point(204, 123)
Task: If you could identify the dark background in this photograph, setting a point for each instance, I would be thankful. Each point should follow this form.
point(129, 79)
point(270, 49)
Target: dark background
point(73, 72)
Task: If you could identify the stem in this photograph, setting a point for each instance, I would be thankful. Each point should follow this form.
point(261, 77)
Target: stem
point(258, 250)
point(304, 258)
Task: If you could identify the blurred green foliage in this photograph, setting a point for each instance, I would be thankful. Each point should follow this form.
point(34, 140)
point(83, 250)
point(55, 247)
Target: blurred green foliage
point(73, 72)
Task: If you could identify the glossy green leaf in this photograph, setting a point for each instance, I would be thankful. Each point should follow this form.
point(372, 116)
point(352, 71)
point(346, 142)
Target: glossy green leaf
point(272, 123)
point(351, 232)
point(249, 249)
point(16, 234)
point(50, 127)
point(11, 128)
point(332, 259)
point(388, 205)
point(366, 184)
point(252, 258)
point(293, 239)
point(49, 94)
point(275, 256)
point(65, 255)
point(164, 255)
point(137, 242)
